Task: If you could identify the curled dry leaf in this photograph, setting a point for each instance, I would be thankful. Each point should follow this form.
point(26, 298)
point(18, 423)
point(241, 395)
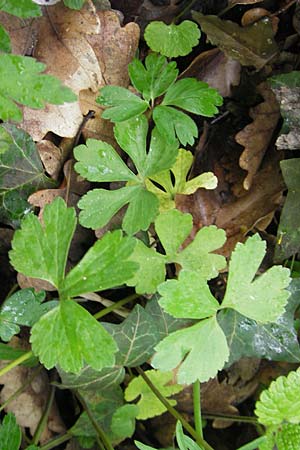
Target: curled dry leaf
point(255, 14)
point(85, 50)
point(52, 157)
point(216, 69)
point(256, 136)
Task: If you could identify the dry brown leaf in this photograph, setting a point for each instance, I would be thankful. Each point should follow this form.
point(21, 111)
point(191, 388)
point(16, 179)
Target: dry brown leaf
point(256, 136)
point(52, 157)
point(216, 69)
point(243, 2)
point(22, 33)
point(29, 406)
point(85, 50)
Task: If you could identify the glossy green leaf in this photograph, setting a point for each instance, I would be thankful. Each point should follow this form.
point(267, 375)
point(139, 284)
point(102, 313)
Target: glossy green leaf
point(288, 237)
point(190, 347)
point(98, 161)
point(149, 405)
point(172, 123)
point(136, 337)
point(5, 45)
point(187, 297)
point(69, 336)
point(275, 341)
point(105, 265)
point(172, 40)
point(74, 4)
point(281, 401)
point(123, 422)
point(122, 103)
point(40, 251)
point(10, 433)
point(21, 173)
point(22, 82)
point(21, 8)
point(153, 79)
point(262, 298)
point(194, 96)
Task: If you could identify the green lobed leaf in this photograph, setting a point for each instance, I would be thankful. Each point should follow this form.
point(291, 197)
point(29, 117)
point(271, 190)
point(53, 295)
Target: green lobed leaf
point(191, 347)
point(288, 437)
point(123, 422)
point(275, 341)
point(141, 212)
point(21, 173)
point(136, 337)
point(74, 4)
point(105, 265)
point(5, 45)
point(172, 40)
point(162, 153)
point(172, 228)
point(153, 79)
point(194, 96)
point(122, 104)
point(10, 433)
point(21, 8)
point(149, 405)
point(22, 82)
point(262, 298)
point(98, 161)
point(24, 307)
point(188, 297)
point(172, 123)
point(70, 336)
point(40, 251)
point(281, 401)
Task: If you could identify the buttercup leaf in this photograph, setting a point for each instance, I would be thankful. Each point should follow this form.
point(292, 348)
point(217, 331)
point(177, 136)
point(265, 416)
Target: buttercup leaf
point(69, 336)
point(173, 123)
point(21, 8)
point(10, 433)
point(5, 45)
point(123, 104)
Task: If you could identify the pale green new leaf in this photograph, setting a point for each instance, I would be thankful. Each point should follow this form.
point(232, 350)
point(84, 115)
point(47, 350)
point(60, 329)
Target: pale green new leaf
point(188, 297)
point(5, 45)
point(288, 437)
point(149, 405)
point(122, 103)
point(21, 8)
point(194, 96)
point(262, 298)
point(192, 348)
point(22, 82)
point(172, 228)
point(281, 401)
point(70, 337)
point(153, 79)
point(104, 266)
point(10, 433)
point(172, 40)
point(41, 250)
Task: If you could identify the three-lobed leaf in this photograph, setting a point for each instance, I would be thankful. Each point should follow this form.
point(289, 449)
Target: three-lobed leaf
point(122, 103)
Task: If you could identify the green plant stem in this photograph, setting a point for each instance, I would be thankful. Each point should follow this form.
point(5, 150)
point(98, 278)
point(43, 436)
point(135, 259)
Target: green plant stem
point(43, 420)
point(116, 305)
point(54, 443)
point(199, 439)
point(253, 445)
point(101, 435)
point(231, 418)
point(16, 362)
point(197, 408)
point(21, 388)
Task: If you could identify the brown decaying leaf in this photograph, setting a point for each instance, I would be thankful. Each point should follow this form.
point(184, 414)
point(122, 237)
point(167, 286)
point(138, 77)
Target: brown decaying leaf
point(85, 50)
point(22, 32)
point(256, 136)
point(52, 157)
point(29, 406)
point(255, 14)
point(243, 2)
point(216, 69)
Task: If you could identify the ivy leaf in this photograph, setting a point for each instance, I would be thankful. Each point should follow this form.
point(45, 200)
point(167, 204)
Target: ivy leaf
point(21, 173)
point(263, 298)
point(69, 336)
point(275, 341)
point(123, 422)
point(25, 307)
point(281, 401)
point(10, 433)
point(40, 251)
point(5, 45)
point(189, 296)
point(122, 103)
point(105, 265)
point(89, 380)
point(21, 8)
point(22, 82)
point(172, 40)
point(148, 404)
point(193, 96)
point(136, 337)
point(153, 79)
point(179, 173)
point(190, 347)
